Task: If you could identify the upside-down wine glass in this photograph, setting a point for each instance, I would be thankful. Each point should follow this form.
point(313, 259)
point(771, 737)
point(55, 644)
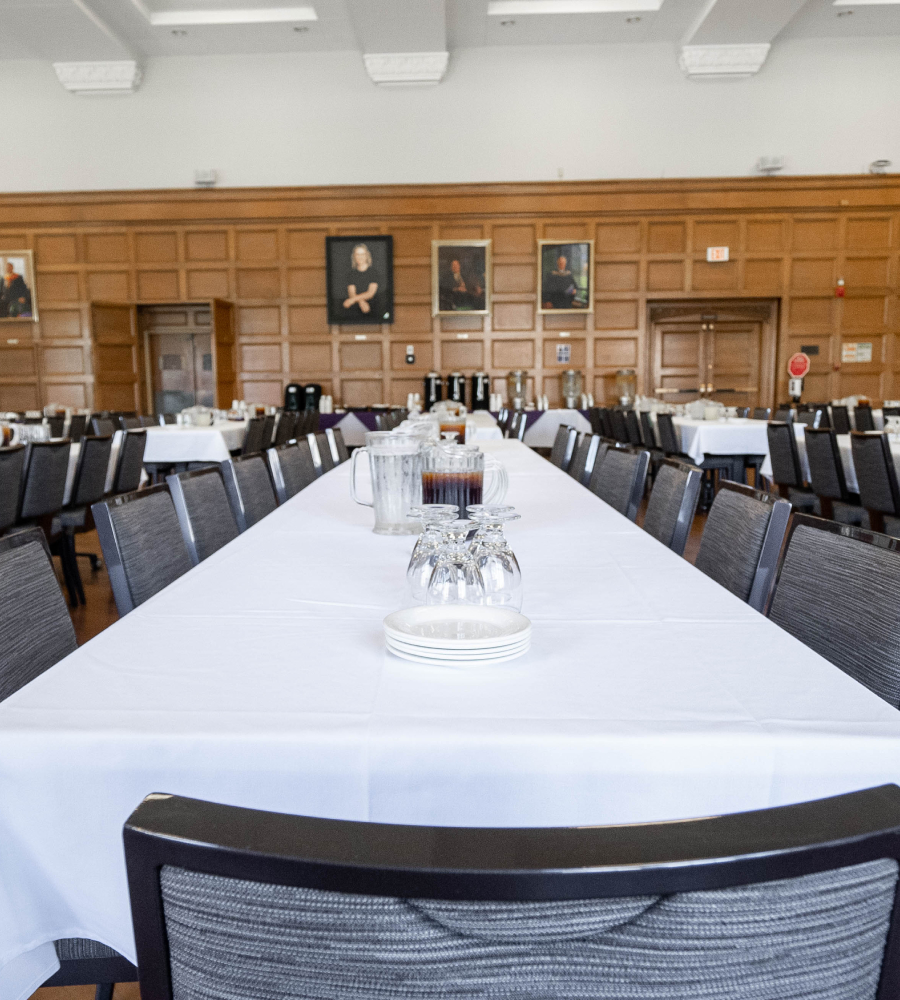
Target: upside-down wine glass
point(495, 560)
point(428, 544)
point(455, 578)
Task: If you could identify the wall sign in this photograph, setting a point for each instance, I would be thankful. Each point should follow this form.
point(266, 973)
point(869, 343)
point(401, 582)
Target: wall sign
point(798, 365)
point(563, 354)
point(858, 353)
point(716, 255)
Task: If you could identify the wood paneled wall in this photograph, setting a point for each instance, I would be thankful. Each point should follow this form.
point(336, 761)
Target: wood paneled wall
point(263, 250)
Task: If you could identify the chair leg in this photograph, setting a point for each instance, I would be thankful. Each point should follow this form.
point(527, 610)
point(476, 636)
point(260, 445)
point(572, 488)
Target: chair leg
point(69, 543)
point(67, 577)
point(104, 991)
point(92, 559)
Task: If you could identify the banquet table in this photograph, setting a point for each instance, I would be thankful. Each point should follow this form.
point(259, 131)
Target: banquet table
point(173, 444)
point(541, 425)
point(260, 679)
point(728, 436)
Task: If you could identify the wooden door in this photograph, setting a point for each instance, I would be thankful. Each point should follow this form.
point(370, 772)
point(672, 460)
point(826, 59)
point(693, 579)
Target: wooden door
point(116, 352)
point(179, 352)
point(223, 353)
point(679, 362)
point(732, 362)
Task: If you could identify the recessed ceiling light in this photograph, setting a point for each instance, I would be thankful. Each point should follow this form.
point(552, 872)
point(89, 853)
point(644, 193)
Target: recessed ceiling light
point(632, 20)
point(502, 8)
point(249, 15)
point(844, 13)
point(507, 24)
point(301, 28)
point(179, 32)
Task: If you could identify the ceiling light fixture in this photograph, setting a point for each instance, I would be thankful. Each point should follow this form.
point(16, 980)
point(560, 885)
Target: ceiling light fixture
point(508, 23)
point(633, 20)
point(301, 28)
point(179, 32)
point(247, 15)
point(503, 8)
point(844, 13)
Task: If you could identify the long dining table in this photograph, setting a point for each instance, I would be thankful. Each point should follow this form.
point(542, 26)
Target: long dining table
point(260, 679)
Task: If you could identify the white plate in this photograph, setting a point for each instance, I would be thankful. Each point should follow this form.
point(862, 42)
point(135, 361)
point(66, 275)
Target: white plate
point(434, 662)
point(455, 654)
point(458, 626)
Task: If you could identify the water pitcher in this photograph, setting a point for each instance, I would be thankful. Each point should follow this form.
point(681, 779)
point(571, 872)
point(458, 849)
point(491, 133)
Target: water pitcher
point(396, 470)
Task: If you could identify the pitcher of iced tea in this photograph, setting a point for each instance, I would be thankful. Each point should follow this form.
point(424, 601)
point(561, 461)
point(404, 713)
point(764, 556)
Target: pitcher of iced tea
point(461, 475)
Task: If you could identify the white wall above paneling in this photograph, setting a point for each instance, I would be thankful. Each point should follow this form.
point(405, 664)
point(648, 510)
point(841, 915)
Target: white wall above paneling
point(501, 114)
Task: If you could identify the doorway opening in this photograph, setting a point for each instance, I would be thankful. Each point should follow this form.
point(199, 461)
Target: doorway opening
point(724, 350)
point(179, 355)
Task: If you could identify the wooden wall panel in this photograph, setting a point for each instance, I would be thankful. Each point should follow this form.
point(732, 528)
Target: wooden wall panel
point(789, 238)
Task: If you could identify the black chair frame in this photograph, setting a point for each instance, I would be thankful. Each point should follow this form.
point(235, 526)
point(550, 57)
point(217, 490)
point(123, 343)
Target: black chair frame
point(689, 502)
point(273, 460)
point(531, 864)
point(768, 565)
point(176, 488)
point(232, 489)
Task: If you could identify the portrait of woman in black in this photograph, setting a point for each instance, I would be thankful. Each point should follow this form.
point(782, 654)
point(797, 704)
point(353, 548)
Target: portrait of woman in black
point(359, 279)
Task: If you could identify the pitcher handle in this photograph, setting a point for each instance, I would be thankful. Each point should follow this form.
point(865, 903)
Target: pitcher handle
point(496, 481)
point(353, 494)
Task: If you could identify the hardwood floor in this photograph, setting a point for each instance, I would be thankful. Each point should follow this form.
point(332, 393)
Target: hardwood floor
point(99, 613)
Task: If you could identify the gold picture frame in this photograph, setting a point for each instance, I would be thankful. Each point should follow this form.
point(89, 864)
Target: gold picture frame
point(574, 284)
point(461, 277)
point(18, 299)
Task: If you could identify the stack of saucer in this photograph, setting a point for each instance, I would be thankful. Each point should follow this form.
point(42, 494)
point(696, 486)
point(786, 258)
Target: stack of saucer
point(457, 634)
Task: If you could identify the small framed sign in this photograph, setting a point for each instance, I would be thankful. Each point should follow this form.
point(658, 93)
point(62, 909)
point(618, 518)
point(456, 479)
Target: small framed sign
point(717, 255)
point(563, 354)
point(856, 353)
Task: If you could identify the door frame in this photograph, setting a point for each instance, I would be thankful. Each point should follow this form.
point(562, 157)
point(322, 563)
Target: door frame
point(764, 311)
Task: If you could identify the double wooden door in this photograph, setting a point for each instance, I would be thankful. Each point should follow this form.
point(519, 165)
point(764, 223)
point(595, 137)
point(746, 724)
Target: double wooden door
point(720, 355)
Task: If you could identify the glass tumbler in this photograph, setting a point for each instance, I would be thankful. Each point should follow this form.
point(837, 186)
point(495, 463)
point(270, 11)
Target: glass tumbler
point(495, 560)
point(424, 555)
point(455, 578)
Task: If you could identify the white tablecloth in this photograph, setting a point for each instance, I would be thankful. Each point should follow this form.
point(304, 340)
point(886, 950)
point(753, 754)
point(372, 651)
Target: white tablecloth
point(260, 678)
point(730, 436)
point(482, 426)
point(173, 444)
point(542, 433)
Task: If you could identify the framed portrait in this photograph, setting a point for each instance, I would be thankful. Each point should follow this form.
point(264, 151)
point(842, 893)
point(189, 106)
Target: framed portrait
point(566, 278)
point(460, 277)
point(17, 297)
point(360, 274)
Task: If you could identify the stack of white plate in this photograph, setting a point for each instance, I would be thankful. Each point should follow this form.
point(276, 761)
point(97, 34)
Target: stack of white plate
point(457, 634)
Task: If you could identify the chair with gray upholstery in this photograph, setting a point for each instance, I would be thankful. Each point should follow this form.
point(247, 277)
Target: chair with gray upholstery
point(142, 544)
point(840, 419)
point(203, 510)
point(129, 423)
point(827, 479)
point(268, 431)
point(786, 471)
point(742, 540)
point(249, 488)
point(784, 415)
point(837, 593)
point(762, 412)
point(633, 426)
point(673, 503)
point(253, 436)
point(620, 480)
point(863, 419)
point(292, 469)
point(563, 447)
point(324, 448)
point(149, 421)
point(44, 479)
point(587, 450)
point(339, 449)
point(103, 426)
point(810, 418)
point(619, 426)
point(517, 425)
point(129, 462)
point(284, 432)
point(776, 904)
point(77, 427)
point(876, 475)
point(12, 467)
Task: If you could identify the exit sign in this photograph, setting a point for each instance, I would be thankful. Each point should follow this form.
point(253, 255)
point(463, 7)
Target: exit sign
point(716, 255)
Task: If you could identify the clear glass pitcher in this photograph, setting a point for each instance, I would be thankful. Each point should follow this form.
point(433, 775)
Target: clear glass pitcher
point(396, 469)
point(461, 475)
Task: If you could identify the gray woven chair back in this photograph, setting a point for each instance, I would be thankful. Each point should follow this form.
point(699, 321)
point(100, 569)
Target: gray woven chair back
point(150, 421)
point(249, 490)
point(810, 418)
point(784, 415)
point(35, 628)
point(90, 474)
point(741, 541)
point(343, 452)
point(12, 465)
point(77, 426)
point(324, 451)
point(268, 431)
point(669, 439)
point(620, 480)
point(633, 426)
point(253, 436)
point(762, 412)
point(56, 425)
point(875, 472)
point(783, 454)
point(382, 423)
point(292, 468)
point(862, 419)
point(46, 468)
point(227, 922)
point(203, 512)
point(169, 418)
point(836, 593)
point(826, 472)
point(285, 430)
point(130, 462)
point(585, 450)
point(130, 423)
point(647, 430)
point(840, 419)
point(102, 426)
point(147, 536)
point(672, 504)
point(619, 427)
point(563, 447)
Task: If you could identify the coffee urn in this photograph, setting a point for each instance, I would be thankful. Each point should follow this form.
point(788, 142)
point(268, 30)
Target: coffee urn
point(293, 396)
point(481, 391)
point(456, 387)
point(312, 394)
point(433, 390)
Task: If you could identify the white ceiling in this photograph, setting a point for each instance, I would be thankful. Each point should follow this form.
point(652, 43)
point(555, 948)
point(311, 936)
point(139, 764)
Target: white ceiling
point(69, 30)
